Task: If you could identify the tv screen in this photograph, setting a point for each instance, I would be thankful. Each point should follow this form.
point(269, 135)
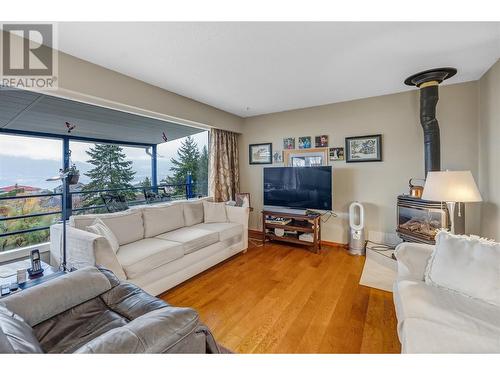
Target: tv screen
point(298, 187)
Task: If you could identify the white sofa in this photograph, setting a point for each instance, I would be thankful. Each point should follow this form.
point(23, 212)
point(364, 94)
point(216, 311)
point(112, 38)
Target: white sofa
point(434, 320)
point(160, 245)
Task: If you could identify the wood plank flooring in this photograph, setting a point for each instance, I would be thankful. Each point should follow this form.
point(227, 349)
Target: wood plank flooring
point(283, 299)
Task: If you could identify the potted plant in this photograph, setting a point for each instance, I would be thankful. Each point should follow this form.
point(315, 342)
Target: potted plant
point(73, 175)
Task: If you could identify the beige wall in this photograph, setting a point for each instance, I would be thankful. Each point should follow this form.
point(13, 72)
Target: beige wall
point(489, 158)
point(376, 185)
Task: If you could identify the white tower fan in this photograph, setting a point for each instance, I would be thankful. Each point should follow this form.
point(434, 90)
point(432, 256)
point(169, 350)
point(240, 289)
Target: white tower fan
point(357, 241)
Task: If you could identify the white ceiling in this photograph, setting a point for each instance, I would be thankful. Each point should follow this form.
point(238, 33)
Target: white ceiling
point(256, 68)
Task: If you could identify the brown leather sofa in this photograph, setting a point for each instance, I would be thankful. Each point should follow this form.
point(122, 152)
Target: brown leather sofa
point(91, 311)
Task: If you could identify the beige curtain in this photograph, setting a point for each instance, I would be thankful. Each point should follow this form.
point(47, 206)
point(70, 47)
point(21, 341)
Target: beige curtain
point(224, 171)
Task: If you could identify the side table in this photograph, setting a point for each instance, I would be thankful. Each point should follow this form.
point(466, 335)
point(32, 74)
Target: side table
point(8, 275)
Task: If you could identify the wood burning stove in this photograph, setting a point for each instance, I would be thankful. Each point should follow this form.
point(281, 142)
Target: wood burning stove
point(419, 220)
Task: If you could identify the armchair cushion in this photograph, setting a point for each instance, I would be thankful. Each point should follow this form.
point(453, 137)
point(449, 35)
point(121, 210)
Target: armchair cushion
point(467, 265)
point(154, 332)
point(412, 260)
point(130, 301)
point(69, 330)
point(15, 335)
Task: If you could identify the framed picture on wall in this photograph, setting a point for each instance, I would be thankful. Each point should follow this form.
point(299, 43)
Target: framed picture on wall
point(278, 157)
point(321, 141)
point(363, 149)
point(305, 142)
point(260, 153)
point(336, 153)
point(242, 199)
point(289, 143)
point(311, 157)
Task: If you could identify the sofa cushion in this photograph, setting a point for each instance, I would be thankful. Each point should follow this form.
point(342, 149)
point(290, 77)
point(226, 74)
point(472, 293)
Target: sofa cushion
point(424, 336)
point(98, 227)
point(16, 336)
point(214, 212)
point(127, 226)
point(69, 330)
point(192, 239)
point(467, 265)
point(415, 300)
point(147, 254)
point(193, 213)
point(162, 218)
point(225, 230)
point(158, 331)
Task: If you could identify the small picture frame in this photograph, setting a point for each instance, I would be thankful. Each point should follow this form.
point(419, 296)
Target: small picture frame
point(260, 153)
point(321, 141)
point(278, 157)
point(336, 153)
point(242, 199)
point(289, 143)
point(306, 158)
point(305, 142)
point(363, 149)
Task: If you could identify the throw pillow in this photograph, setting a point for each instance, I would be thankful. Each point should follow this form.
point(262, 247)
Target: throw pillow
point(214, 212)
point(16, 336)
point(467, 265)
point(159, 219)
point(98, 227)
point(193, 213)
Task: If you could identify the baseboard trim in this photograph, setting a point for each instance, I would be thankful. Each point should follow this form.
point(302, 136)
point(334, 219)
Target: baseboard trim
point(335, 244)
point(257, 234)
point(253, 233)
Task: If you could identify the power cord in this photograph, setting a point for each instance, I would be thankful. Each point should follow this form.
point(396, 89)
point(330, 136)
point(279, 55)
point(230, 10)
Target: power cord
point(330, 214)
point(381, 248)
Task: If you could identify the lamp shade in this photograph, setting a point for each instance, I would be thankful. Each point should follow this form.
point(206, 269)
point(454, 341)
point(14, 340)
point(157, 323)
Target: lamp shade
point(451, 186)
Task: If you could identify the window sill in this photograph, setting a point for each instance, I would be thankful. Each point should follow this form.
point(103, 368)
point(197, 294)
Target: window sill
point(23, 252)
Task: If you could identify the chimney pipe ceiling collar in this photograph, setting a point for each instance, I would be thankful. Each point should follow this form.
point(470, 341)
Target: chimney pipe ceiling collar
point(438, 75)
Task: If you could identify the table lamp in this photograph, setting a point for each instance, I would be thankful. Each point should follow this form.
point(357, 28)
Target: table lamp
point(451, 187)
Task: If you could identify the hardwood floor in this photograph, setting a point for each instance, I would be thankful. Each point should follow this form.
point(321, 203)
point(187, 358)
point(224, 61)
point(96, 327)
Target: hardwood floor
point(282, 299)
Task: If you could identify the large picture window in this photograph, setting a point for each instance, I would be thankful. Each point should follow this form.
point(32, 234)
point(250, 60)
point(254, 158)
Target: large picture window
point(25, 165)
point(183, 156)
point(108, 168)
point(29, 203)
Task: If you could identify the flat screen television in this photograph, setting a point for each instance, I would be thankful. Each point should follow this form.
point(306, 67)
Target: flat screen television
point(298, 187)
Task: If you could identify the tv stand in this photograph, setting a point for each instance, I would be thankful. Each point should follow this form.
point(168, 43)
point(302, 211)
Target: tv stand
point(297, 225)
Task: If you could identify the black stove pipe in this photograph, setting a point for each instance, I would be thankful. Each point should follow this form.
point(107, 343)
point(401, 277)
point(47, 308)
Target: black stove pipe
point(428, 81)
point(429, 97)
